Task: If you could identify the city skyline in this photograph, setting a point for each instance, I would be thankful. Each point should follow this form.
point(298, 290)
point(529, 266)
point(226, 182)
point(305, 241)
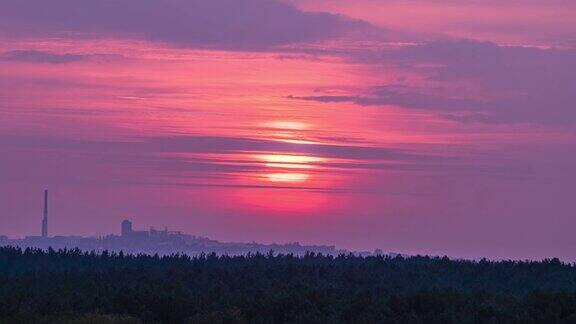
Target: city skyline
point(163, 242)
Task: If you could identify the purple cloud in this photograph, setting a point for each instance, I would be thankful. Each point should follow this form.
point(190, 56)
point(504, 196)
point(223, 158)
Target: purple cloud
point(518, 84)
point(220, 145)
point(53, 58)
point(522, 84)
point(403, 96)
point(198, 23)
point(157, 160)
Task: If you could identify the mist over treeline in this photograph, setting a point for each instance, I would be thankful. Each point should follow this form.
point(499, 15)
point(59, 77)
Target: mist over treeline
point(74, 286)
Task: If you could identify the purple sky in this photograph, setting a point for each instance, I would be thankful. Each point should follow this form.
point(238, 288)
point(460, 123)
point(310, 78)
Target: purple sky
point(432, 127)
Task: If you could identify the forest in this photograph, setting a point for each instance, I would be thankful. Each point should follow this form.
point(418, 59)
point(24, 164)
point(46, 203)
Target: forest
point(72, 286)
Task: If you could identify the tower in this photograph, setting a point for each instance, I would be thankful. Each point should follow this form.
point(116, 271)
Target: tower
point(126, 227)
point(45, 219)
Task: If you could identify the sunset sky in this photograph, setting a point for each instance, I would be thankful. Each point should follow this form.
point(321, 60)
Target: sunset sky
point(442, 127)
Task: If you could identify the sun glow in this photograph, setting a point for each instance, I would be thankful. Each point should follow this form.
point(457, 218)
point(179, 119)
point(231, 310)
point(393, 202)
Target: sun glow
point(282, 162)
point(288, 167)
point(287, 125)
point(295, 132)
point(287, 177)
point(290, 161)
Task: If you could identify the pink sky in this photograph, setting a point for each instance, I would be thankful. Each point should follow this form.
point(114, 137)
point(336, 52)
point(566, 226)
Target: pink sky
point(421, 127)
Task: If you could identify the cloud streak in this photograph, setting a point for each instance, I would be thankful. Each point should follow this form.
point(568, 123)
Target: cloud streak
point(32, 56)
point(219, 145)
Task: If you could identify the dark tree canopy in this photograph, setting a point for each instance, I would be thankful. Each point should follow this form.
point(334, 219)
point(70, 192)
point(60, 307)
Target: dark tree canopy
point(80, 287)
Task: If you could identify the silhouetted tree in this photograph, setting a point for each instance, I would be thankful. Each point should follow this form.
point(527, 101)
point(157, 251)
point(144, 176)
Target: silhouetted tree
point(86, 287)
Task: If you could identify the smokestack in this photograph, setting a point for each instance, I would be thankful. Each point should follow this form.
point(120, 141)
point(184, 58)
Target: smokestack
point(45, 219)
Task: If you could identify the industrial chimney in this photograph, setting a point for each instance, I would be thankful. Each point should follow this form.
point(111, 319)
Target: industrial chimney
point(45, 219)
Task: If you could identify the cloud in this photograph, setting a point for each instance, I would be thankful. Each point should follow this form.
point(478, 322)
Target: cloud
point(502, 21)
point(403, 96)
point(195, 23)
point(218, 162)
point(220, 145)
point(522, 84)
point(197, 161)
point(512, 84)
point(53, 58)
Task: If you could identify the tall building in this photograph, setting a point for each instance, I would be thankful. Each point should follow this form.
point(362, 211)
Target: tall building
point(45, 218)
point(126, 227)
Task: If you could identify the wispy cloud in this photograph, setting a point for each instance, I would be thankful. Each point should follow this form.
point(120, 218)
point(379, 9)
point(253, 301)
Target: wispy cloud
point(400, 95)
point(197, 159)
point(218, 144)
point(33, 56)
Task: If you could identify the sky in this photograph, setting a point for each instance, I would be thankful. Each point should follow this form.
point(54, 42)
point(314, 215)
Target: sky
point(438, 127)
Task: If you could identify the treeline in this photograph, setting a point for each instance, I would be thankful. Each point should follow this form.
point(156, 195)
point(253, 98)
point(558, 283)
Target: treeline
point(70, 286)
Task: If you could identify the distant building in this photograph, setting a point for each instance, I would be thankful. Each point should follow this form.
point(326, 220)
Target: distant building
point(129, 233)
point(126, 228)
point(164, 233)
point(157, 233)
point(138, 235)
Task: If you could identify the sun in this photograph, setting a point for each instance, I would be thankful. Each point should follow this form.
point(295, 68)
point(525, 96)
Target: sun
point(289, 161)
point(288, 168)
point(287, 177)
